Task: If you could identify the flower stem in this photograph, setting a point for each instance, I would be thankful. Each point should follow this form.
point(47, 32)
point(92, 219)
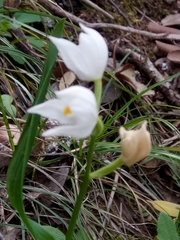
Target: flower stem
point(98, 91)
point(107, 169)
point(83, 190)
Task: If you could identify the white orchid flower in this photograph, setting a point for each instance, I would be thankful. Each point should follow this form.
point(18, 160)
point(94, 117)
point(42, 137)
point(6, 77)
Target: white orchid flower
point(87, 60)
point(75, 108)
point(136, 144)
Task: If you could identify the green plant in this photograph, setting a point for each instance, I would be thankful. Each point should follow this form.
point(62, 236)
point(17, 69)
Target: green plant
point(166, 228)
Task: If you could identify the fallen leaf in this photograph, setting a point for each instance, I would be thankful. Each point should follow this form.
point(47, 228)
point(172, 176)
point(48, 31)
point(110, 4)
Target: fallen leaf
point(172, 209)
point(66, 80)
point(157, 28)
point(12, 4)
point(128, 74)
point(111, 94)
point(14, 131)
point(174, 56)
point(55, 182)
point(60, 69)
point(11, 233)
point(165, 47)
point(172, 19)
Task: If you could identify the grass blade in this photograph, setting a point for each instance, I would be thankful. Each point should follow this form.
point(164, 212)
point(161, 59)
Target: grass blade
point(17, 167)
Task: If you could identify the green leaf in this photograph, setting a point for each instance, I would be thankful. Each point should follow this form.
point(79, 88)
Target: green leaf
point(7, 103)
point(36, 42)
point(166, 228)
point(4, 25)
point(27, 17)
point(1, 3)
point(17, 58)
point(17, 167)
point(81, 235)
point(58, 235)
point(178, 224)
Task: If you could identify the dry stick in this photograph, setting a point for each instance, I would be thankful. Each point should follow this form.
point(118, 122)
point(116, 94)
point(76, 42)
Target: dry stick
point(136, 31)
point(152, 73)
point(111, 198)
point(57, 10)
point(121, 13)
point(96, 7)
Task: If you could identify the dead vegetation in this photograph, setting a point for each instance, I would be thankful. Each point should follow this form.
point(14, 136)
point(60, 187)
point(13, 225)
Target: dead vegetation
point(144, 79)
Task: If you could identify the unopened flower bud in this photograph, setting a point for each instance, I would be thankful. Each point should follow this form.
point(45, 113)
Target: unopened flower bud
point(135, 144)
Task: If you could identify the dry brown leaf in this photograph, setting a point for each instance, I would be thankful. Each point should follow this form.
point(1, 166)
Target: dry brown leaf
point(58, 176)
point(60, 69)
point(174, 56)
point(112, 94)
point(157, 28)
point(128, 74)
point(11, 233)
point(14, 131)
point(166, 48)
point(66, 80)
point(154, 163)
point(172, 19)
point(12, 3)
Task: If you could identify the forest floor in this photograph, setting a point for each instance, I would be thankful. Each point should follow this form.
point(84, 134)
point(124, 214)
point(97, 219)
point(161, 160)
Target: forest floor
point(143, 39)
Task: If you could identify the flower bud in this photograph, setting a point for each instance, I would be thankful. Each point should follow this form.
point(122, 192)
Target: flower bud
point(135, 144)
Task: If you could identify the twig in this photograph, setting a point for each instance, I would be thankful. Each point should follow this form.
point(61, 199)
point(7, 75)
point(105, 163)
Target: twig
point(121, 13)
point(58, 11)
point(111, 198)
point(151, 72)
point(55, 9)
point(136, 31)
point(96, 7)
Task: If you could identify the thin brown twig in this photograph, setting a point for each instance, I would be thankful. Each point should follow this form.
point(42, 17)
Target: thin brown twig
point(58, 11)
point(121, 13)
point(135, 31)
point(96, 7)
point(152, 73)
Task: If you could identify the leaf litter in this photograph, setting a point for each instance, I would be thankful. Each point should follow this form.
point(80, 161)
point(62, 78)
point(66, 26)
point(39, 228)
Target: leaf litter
point(130, 214)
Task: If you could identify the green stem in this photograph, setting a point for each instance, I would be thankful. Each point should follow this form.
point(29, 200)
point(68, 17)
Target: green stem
point(7, 124)
point(98, 91)
point(107, 169)
point(83, 190)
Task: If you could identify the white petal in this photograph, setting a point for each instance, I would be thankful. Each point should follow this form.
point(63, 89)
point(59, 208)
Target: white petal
point(77, 92)
point(88, 59)
point(49, 109)
point(52, 109)
point(72, 131)
point(72, 56)
point(97, 50)
point(75, 59)
point(82, 104)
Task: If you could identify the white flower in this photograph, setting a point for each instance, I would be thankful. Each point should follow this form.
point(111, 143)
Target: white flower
point(136, 144)
point(75, 108)
point(87, 60)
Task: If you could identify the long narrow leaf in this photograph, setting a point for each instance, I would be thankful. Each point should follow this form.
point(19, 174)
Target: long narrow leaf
point(17, 167)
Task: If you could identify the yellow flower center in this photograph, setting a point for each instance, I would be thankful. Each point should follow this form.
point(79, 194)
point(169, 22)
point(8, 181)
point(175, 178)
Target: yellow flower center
point(67, 111)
